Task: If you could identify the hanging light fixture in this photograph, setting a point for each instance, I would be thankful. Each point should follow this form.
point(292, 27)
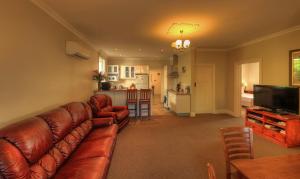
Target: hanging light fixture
point(181, 44)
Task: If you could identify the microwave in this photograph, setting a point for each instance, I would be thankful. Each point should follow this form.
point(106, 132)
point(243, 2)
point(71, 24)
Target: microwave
point(113, 78)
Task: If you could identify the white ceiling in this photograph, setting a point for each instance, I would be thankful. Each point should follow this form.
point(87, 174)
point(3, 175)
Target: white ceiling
point(138, 28)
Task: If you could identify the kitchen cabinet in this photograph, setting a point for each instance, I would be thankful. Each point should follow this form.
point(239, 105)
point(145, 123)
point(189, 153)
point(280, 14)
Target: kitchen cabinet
point(144, 69)
point(127, 72)
point(113, 69)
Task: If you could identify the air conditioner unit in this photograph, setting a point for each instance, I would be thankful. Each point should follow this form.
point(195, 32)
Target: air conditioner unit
point(75, 49)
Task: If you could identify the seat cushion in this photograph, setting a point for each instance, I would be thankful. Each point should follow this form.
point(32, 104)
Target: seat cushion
point(91, 168)
point(121, 115)
point(94, 148)
point(99, 133)
point(107, 109)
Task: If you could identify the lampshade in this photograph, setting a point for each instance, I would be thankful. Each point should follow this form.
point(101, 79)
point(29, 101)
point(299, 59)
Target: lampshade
point(186, 43)
point(178, 44)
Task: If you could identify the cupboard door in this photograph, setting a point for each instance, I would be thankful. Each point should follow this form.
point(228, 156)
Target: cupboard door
point(109, 69)
point(132, 72)
point(116, 69)
point(127, 72)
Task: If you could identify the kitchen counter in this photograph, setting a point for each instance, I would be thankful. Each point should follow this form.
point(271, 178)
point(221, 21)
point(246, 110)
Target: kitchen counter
point(177, 93)
point(180, 103)
point(119, 97)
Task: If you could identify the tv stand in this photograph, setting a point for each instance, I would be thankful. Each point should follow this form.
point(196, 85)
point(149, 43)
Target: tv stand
point(281, 129)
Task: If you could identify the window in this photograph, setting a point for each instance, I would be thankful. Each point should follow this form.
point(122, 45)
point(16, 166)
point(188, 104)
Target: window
point(101, 65)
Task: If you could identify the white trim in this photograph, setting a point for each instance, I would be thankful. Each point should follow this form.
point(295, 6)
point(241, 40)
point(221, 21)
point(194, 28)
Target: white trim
point(52, 13)
point(237, 82)
point(267, 37)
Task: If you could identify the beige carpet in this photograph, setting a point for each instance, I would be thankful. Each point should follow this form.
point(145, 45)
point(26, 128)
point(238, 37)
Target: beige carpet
point(171, 147)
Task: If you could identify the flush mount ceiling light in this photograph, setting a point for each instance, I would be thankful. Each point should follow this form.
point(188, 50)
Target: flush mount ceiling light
point(181, 29)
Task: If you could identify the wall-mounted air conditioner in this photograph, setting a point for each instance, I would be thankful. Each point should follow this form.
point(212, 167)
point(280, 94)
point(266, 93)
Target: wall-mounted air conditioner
point(75, 49)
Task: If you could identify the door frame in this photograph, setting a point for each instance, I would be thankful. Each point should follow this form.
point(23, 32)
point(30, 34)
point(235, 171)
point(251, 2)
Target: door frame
point(238, 84)
point(213, 86)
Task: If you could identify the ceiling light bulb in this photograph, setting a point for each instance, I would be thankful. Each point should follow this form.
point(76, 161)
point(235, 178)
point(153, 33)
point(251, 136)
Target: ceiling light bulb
point(186, 44)
point(178, 44)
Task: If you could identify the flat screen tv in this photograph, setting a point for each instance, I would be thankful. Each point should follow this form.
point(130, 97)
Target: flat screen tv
point(277, 98)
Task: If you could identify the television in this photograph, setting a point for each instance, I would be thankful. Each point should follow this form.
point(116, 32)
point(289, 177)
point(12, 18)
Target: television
point(277, 98)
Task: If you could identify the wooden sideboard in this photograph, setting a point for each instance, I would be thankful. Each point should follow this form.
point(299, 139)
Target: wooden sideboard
point(281, 129)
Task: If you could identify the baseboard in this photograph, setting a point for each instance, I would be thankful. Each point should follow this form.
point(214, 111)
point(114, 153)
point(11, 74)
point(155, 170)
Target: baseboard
point(224, 111)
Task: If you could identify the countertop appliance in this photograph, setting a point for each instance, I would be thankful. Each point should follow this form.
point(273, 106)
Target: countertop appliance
point(112, 77)
point(142, 81)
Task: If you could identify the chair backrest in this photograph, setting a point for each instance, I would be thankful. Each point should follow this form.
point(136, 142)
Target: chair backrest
point(238, 143)
point(145, 94)
point(211, 171)
point(131, 94)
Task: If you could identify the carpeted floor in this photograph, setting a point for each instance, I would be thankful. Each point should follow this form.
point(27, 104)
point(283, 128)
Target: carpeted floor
point(171, 147)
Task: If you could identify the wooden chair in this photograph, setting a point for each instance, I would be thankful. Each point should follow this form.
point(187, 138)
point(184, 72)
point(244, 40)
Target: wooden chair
point(132, 100)
point(238, 144)
point(211, 171)
point(145, 99)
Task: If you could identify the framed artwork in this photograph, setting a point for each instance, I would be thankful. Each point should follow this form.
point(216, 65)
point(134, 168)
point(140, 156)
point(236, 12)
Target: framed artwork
point(294, 67)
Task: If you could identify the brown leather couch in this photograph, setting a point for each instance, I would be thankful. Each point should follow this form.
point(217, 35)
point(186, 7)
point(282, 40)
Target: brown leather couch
point(102, 107)
point(63, 143)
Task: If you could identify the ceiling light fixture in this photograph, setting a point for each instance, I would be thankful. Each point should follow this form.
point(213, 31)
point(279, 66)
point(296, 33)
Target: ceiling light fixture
point(181, 44)
point(182, 29)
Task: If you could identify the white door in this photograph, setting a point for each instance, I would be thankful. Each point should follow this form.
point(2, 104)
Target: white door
point(205, 89)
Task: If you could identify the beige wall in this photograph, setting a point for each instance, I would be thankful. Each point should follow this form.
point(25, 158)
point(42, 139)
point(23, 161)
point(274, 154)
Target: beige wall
point(275, 61)
point(35, 73)
point(250, 75)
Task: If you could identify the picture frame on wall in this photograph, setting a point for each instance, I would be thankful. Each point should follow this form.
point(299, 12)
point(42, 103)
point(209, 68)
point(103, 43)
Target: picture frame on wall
point(294, 69)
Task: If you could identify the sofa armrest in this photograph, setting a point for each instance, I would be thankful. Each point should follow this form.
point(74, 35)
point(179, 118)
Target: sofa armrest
point(119, 108)
point(102, 122)
point(106, 114)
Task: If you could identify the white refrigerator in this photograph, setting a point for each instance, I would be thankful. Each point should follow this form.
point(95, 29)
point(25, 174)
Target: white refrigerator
point(142, 81)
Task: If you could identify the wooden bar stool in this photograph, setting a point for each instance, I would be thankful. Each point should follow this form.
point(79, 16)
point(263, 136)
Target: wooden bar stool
point(132, 100)
point(145, 99)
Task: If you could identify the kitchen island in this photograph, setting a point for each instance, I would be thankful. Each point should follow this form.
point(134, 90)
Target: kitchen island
point(119, 98)
point(180, 103)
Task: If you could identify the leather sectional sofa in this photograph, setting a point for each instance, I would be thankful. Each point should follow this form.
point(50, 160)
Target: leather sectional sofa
point(66, 142)
point(102, 107)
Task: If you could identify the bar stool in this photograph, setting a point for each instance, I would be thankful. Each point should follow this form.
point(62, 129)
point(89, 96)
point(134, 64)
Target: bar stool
point(132, 100)
point(145, 99)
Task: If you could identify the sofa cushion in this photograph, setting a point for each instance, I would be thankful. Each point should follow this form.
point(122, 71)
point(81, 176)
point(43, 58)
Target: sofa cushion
point(13, 164)
point(59, 121)
point(94, 148)
point(107, 109)
point(88, 110)
point(99, 133)
point(121, 115)
point(32, 137)
point(78, 113)
point(91, 168)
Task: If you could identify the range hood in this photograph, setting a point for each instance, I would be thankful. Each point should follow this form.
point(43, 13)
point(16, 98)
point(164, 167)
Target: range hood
point(173, 67)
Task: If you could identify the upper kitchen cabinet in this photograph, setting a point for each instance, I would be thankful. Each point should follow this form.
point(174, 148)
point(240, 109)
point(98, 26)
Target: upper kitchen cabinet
point(142, 69)
point(113, 69)
point(127, 72)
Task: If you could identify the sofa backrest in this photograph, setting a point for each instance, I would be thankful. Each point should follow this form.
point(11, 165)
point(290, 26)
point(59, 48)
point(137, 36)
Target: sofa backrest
point(100, 103)
point(37, 147)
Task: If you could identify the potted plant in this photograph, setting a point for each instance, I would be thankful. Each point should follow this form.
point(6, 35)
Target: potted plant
point(99, 77)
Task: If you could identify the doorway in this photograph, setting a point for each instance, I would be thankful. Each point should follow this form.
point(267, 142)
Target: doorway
point(247, 73)
point(205, 89)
